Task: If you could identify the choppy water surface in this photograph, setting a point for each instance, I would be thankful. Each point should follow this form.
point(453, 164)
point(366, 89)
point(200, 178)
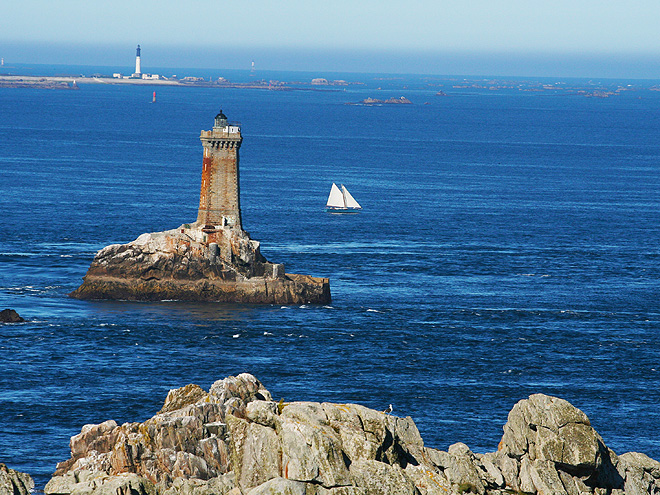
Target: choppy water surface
point(509, 244)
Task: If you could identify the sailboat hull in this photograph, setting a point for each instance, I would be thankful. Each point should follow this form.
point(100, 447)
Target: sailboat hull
point(343, 210)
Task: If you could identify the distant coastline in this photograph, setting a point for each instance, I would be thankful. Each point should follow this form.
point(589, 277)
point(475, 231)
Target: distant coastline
point(37, 82)
point(451, 86)
point(71, 82)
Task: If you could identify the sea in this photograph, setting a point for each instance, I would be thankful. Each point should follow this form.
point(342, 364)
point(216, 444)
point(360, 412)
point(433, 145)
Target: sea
point(509, 244)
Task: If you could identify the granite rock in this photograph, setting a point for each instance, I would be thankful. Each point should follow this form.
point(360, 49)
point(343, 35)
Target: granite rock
point(190, 263)
point(14, 482)
point(234, 440)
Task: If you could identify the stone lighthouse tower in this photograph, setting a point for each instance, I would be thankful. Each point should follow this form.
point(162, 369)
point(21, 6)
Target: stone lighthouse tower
point(219, 199)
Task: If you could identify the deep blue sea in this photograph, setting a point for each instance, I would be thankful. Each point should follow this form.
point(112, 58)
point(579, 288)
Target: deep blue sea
point(509, 244)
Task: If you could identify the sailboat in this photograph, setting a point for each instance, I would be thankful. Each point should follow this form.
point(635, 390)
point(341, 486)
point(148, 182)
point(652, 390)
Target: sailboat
point(341, 201)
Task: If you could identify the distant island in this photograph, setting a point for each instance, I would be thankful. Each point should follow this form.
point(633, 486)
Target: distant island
point(72, 82)
point(390, 101)
point(37, 82)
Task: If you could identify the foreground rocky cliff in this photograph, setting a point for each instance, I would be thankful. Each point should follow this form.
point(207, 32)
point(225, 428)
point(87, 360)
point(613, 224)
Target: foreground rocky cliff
point(235, 440)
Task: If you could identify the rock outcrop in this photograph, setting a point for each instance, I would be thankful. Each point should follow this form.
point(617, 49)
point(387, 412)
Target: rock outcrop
point(235, 440)
point(190, 264)
point(14, 483)
point(10, 316)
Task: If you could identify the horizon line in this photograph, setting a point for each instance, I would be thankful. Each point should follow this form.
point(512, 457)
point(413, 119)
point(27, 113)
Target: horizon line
point(18, 65)
point(580, 65)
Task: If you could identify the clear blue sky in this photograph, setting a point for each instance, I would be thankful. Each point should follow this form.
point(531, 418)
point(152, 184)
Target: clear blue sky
point(559, 37)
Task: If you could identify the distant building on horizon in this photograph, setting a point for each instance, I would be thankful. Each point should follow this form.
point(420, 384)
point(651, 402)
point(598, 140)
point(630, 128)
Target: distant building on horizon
point(138, 64)
point(138, 74)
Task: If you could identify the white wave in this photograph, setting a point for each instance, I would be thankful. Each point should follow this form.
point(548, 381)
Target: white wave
point(236, 335)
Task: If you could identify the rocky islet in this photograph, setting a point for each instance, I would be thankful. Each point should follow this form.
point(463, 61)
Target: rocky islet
point(211, 259)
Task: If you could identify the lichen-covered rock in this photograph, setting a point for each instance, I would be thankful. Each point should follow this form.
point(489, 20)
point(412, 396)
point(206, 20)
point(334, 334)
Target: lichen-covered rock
point(428, 481)
point(187, 439)
point(549, 446)
point(462, 468)
point(362, 431)
point(551, 429)
point(311, 449)
point(255, 452)
point(182, 397)
point(14, 482)
point(379, 478)
point(220, 485)
point(244, 387)
point(99, 483)
point(641, 474)
point(282, 486)
point(234, 440)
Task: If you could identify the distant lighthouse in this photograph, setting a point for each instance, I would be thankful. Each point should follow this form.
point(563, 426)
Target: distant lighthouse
point(138, 67)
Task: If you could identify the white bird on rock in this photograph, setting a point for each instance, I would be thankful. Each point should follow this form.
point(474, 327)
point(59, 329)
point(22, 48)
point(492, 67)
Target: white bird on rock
point(388, 410)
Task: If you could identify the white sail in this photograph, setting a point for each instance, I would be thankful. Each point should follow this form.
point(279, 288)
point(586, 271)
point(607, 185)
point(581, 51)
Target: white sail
point(349, 200)
point(336, 198)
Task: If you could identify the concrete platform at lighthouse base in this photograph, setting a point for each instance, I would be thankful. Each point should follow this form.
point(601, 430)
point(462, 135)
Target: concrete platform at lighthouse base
point(291, 289)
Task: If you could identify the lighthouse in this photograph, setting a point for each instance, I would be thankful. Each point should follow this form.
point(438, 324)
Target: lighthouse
point(219, 199)
point(138, 67)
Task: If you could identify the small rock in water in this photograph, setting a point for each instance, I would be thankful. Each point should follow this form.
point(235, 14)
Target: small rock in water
point(10, 316)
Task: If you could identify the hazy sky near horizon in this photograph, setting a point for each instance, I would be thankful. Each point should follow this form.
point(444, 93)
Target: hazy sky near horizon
point(578, 28)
